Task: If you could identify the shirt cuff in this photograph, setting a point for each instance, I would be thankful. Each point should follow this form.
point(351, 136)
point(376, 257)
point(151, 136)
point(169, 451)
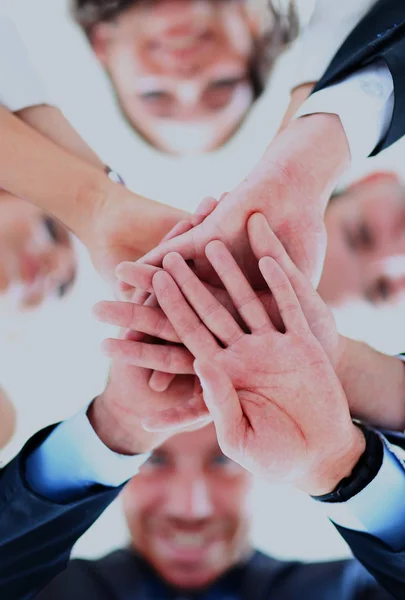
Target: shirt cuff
point(379, 509)
point(73, 458)
point(364, 103)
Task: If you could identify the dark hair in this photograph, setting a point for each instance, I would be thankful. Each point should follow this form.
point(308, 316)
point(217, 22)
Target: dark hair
point(282, 31)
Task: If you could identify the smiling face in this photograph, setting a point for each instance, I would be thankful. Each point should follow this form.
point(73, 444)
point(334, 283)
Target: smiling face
point(181, 69)
point(37, 258)
point(187, 510)
point(365, 258)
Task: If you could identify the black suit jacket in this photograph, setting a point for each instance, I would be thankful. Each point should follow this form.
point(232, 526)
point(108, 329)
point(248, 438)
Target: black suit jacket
point(380, 35)
point(36, 534)
point(122, 575)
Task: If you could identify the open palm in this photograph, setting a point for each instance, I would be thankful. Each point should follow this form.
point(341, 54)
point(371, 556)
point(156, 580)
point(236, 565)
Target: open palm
point(277, 398)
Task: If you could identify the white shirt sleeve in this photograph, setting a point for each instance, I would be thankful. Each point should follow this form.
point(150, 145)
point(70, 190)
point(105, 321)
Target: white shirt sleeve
point(379, 509)
point(364, 102)
point(73, 458)
point(330, 24)
point(20, 85)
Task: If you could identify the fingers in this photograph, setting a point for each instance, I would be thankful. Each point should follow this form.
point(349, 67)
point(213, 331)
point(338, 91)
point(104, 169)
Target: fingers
point(244, 298)
point(180, 228)
point(192, 332)
point(284, 295)
point(264, 242)
point(211, 312)
point(223, 404)
point(206, 207)
point(159, 381)
point(186, 414)
point(146, 319)
point(169, 359)
point(136, 275)
point(184, 244)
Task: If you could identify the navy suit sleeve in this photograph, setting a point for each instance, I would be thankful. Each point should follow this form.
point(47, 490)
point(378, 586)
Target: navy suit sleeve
point(384, 563)
point(379, 36)
point(36, 534)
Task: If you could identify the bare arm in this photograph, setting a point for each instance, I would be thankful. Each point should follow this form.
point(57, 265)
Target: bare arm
point(51, 122)
point(374, 384)
point(114, 223)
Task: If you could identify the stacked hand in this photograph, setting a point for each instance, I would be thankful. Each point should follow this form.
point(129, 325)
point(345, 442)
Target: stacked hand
point(276, 402)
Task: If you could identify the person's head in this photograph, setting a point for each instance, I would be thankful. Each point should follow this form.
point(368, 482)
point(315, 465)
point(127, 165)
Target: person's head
point(187, 510)
point(185, 72)
point(37, 257)
point(365, 258)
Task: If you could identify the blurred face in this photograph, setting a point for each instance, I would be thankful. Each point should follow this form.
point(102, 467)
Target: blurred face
point(180, 69)
point(365, 258)
point(37, 259)
point(187, 510)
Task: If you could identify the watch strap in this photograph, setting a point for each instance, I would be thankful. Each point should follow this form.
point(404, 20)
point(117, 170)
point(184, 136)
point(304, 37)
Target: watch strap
point(363, 473)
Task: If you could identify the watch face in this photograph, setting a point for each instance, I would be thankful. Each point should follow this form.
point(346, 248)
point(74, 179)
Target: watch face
point(113, 175)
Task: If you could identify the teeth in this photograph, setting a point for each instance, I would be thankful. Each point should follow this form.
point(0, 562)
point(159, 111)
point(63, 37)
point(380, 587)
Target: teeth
point(182, 43)
point(188, 539)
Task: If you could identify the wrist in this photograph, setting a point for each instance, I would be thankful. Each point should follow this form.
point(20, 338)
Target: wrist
point(118, 432)
point(313, 153)
point(339, 467)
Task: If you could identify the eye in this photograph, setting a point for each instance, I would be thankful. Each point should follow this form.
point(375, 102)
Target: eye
point(160, 103)
point(52, 229)
point(381, 291)
point(360, 238)
point(220, 93)
point(220, 460)
point(157, 460)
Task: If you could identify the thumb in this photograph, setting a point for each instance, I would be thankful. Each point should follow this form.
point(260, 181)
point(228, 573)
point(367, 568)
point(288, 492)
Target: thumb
point(222, 402)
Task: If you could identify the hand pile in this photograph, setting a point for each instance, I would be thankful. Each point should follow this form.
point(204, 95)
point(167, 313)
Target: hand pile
point(260, 362)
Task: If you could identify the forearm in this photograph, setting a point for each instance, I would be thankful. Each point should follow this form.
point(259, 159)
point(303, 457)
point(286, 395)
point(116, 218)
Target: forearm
point(51, 122)
point(374, 384)
point(37, 170)
point(311, 153)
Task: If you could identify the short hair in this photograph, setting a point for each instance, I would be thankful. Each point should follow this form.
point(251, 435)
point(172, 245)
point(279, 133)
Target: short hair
point(282, 29)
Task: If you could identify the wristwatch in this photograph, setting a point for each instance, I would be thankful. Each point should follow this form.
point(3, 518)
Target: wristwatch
point(363, 473)
point(113, 175)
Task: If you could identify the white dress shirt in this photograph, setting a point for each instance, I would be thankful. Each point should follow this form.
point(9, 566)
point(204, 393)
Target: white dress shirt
point(364, 103)
point(330, 24)
point(20, 85)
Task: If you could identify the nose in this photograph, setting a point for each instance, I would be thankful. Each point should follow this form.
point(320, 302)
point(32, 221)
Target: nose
point(189, 497)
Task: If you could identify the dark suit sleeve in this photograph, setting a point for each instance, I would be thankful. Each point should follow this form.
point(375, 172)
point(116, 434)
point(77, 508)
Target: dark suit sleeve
point(379, 36)
point(384, 563)
point(36, 534)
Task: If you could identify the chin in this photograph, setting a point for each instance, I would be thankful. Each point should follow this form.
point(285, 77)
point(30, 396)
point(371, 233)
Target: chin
point(186, 578)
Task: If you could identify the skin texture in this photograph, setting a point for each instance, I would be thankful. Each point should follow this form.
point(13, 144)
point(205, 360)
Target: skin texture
point(180, 69)
point(365, 258)
point(367, 376)
point(7, 419)
point(290, 186)
point(107, 218)
point(265, 380)
point(189, 488)
point(38, 260)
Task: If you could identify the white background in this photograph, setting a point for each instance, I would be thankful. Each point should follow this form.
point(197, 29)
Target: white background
point(50, 361)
